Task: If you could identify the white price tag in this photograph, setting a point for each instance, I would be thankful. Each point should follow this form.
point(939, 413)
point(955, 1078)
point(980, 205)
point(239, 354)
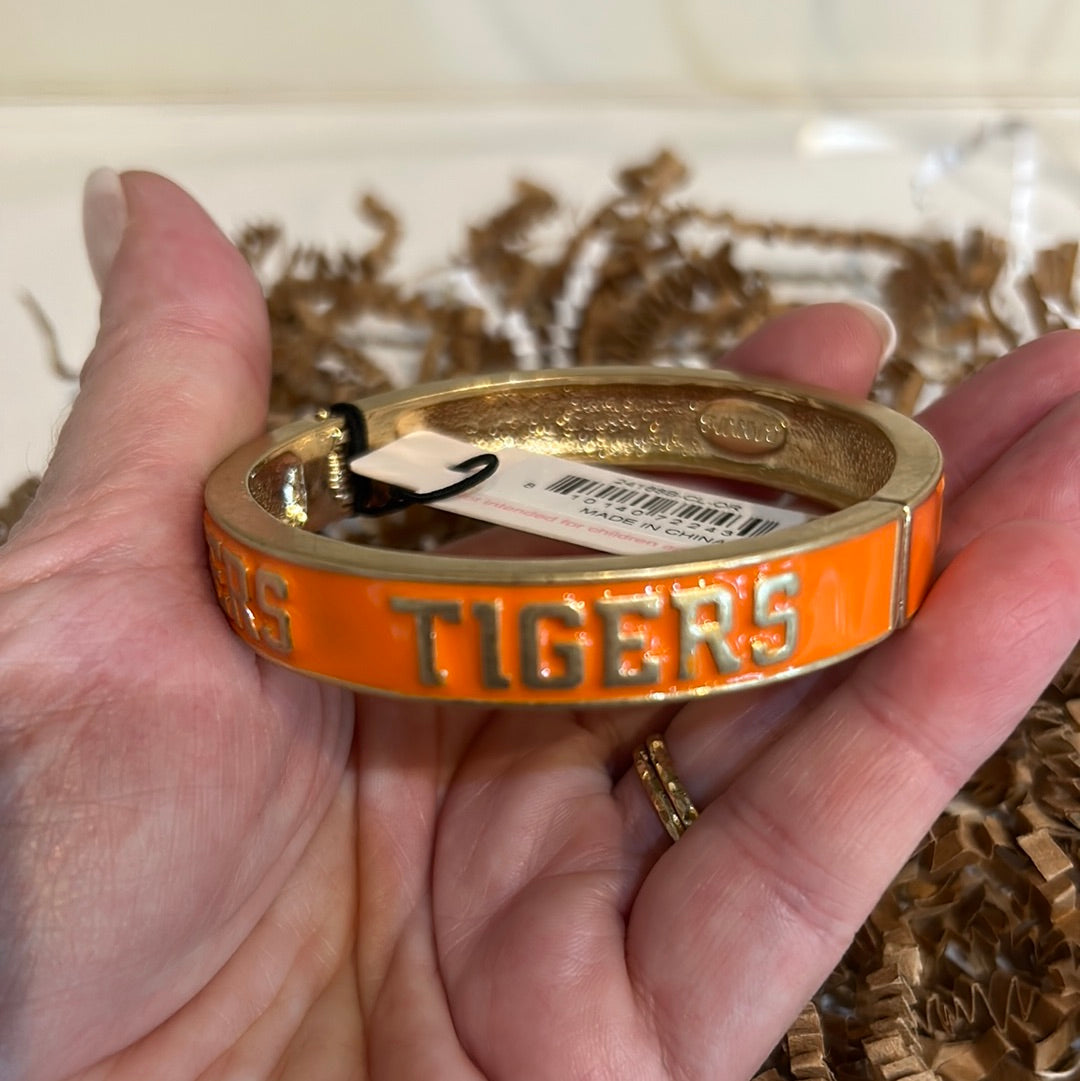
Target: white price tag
point(586, 505)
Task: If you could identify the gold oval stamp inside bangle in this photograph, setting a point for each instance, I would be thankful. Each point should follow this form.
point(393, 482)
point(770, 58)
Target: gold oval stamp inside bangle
point(743, 428)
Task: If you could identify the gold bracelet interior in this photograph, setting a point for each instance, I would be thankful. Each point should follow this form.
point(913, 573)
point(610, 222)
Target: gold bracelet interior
point(769, 436)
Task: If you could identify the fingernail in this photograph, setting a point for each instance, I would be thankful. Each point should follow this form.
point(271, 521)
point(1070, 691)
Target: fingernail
point(883, 323)
point(104, 219)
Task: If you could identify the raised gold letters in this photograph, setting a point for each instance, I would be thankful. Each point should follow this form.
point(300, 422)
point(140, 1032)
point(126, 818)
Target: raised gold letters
point(237, 606)
point(766, 616)
point(424, 614)
point(489, 615)
point(533, 672)
point(712, 633)
point(611, 611)
point(270, 590)
point(642, 639)
point(253, 598)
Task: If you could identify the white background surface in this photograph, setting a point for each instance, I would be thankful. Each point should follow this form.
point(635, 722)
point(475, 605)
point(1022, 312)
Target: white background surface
point(811, 50)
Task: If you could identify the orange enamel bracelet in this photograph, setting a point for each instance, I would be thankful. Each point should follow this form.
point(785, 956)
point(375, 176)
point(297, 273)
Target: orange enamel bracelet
point(593, 629)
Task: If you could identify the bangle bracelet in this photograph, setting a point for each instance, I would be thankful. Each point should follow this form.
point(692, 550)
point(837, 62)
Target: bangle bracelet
point(593, 629)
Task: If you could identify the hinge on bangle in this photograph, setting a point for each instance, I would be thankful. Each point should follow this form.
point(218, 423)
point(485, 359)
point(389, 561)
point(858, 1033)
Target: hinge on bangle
point(369, 498)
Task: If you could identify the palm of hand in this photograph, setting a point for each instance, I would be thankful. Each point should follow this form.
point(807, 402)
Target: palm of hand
point(245, 888)
point(455, 867)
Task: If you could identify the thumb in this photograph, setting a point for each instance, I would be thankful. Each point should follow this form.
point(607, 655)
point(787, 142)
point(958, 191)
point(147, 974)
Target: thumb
point(180, 372)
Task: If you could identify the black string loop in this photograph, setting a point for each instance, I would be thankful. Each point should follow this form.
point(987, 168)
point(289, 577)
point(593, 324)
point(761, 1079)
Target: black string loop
point(372, 499)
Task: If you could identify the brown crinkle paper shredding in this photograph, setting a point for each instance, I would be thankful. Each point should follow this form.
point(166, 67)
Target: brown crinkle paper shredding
point(969, 967)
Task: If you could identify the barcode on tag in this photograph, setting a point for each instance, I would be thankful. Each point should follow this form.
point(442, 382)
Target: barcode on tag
point(584, 504)
point(691, 512)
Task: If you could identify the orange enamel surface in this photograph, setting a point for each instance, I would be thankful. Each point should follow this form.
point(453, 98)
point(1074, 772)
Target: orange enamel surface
point(343, 627)
point(925, 531)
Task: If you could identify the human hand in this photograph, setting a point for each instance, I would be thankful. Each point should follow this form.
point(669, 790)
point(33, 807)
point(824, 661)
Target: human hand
point(211, 867)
